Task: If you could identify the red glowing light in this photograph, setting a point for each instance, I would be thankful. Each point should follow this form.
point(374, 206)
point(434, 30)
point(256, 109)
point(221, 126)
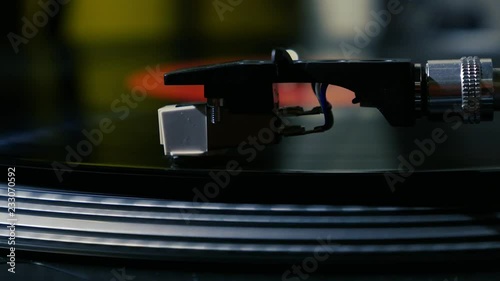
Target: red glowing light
point(292, 94)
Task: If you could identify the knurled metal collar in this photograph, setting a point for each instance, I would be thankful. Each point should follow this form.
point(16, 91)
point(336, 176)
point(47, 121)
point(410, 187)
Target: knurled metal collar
point(471, 73)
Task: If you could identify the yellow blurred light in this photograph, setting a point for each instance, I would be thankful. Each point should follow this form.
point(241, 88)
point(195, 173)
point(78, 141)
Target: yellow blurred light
point(118, 20)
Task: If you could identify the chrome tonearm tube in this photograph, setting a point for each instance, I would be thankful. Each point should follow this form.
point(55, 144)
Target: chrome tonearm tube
point(466, 86)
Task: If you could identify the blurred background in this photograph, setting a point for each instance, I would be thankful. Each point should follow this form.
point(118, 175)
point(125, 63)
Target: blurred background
point(67, 65)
